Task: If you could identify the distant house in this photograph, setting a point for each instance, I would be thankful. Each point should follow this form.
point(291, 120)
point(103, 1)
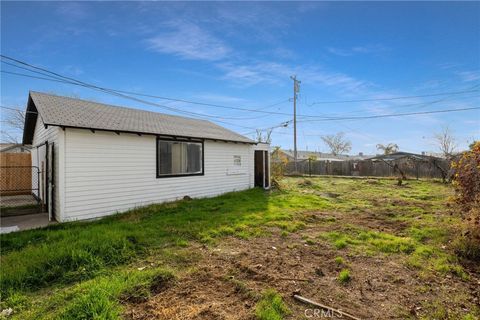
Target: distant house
point(13, 148)
point(99, 159)
point(321, 156)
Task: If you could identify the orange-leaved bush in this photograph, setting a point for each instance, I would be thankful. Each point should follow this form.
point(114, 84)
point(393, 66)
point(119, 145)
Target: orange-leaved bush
point(467, 187)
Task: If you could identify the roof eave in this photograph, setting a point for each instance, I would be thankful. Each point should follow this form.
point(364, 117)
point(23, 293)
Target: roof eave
point(31, 115)
point(148, 133)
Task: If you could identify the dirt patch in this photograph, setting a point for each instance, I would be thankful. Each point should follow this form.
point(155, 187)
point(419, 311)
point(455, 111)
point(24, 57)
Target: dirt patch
point(229, 278)
point(305, 183)
point(208, 292)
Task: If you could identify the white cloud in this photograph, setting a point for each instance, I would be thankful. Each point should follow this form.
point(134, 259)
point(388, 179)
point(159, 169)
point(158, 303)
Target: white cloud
point(275, 73)
point(468, 76)
point(72, 70)
point(71, 10)
point(219, 98)
point(189, 41)
point(339, 52)
point(366, 49)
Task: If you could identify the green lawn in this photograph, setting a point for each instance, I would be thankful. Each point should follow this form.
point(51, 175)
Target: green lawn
point(85, 270)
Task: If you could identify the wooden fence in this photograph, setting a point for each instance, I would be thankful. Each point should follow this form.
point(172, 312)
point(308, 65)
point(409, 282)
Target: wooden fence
point(15, 173)
point(412, 169)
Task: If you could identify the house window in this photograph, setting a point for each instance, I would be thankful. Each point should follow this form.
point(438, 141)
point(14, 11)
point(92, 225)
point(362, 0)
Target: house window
point(179, 158)
point(237, 160)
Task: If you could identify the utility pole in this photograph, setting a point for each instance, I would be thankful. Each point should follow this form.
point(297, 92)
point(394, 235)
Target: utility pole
point(296, 90)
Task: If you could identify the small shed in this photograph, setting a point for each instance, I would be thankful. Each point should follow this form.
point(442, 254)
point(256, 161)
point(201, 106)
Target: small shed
point(97, 159)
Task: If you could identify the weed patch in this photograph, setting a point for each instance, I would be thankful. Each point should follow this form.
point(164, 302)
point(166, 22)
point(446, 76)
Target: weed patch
point(372, 241)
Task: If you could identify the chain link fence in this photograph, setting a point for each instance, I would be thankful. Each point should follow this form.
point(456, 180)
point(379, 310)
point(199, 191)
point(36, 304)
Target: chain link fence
point(20, 190)
point(434, 169)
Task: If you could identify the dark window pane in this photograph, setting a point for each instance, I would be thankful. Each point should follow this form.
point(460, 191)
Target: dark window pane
point(164, 157)
point(194, 156)
point(178, 157)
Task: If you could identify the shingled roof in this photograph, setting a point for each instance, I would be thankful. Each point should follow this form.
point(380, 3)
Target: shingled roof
point(68, 112)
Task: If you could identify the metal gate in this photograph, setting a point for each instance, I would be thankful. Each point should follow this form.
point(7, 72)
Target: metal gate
point(20, 190)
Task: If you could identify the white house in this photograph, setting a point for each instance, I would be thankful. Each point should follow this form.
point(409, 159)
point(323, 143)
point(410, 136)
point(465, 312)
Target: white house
point(97, 159)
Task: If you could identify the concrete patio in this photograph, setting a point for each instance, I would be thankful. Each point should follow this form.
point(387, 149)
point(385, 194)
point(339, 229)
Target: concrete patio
point(24, 222)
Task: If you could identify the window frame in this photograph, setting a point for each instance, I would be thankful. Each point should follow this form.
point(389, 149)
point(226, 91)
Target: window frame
point(239, 158)
point(176, 175)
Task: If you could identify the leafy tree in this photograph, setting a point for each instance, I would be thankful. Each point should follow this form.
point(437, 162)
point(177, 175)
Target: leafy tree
point(388, 148)
point(337, 143)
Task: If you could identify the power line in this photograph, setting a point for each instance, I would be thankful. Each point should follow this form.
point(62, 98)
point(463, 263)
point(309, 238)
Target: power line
point(397, 98)
point(140, 94)
point(163, 106)
point(398, 107)
point(156, 104)
point(14, 109)
point(392, 115)
point(119, 93)
point(114, 92)
point(34, 77)
point(283, 124)
point(59, 78)
point(148, 95)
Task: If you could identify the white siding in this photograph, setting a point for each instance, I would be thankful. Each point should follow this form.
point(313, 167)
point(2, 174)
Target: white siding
point(107, 173)
point(40, 136)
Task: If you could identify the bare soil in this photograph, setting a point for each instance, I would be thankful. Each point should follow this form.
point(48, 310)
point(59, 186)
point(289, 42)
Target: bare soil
point(228, 279)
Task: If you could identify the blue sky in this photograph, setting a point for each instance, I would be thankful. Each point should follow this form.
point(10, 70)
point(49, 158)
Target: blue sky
point(242, 55)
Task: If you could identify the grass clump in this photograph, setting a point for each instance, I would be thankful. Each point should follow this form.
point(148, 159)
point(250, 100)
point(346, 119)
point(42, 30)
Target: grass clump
point(271, 306)
point(344, 276)
point(94, 304)
point(430, 258)
point(372, 241)
point(340, 243)
point(426, 257)
point(339, 260)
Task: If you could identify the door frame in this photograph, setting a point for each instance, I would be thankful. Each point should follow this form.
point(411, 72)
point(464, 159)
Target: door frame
point(261, 171)
point(50, 180)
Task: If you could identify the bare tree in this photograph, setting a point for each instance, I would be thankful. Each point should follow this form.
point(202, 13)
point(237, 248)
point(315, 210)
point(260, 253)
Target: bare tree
point(267, 137)
point(446, 142)
point(337, 143)
point(388, 148)
point(13, 121)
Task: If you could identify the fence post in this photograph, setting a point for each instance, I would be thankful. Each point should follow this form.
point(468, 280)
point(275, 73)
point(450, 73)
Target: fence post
point(309, 167)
